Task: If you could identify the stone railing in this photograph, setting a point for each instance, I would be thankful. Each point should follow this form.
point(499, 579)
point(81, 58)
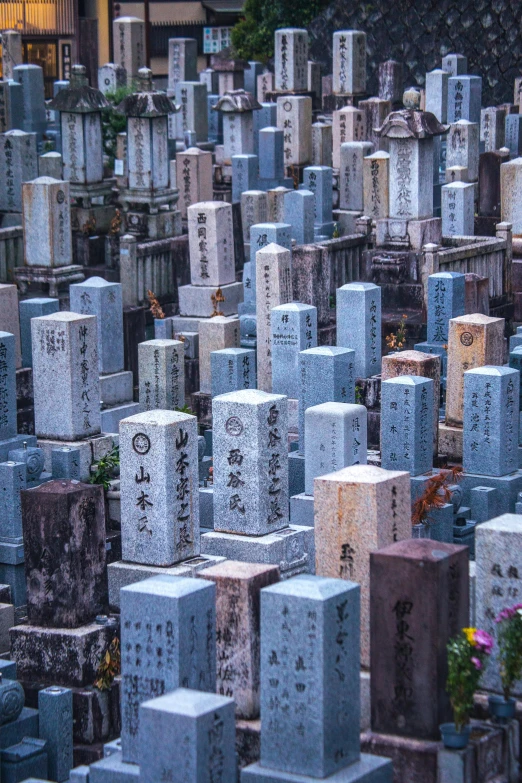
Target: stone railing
point(160, 266)
point(489, 257)
point(11, 252)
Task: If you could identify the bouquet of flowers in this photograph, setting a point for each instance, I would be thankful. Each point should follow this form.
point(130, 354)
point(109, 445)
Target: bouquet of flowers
point(509, 636)
point(467, 656)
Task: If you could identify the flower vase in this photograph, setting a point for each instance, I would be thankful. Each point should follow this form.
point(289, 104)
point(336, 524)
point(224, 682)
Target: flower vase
point(453, 739)
point(501, 710)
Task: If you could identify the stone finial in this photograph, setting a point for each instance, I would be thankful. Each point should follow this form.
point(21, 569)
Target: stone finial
point(410, 124)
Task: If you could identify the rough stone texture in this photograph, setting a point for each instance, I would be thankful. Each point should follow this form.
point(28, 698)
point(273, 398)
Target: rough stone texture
point(474, 341)
point(250, 462)
point(419, 600)
point(358, 510)
point(168, 640)
point(407, 404)
point(215, 334)
point(97, 297)
point(159, 482)
point(420, 364)
point(47, 222)
point(376, 185)
point(162, 374)
point(211, 243)
point(294, 329)
point(9, 317)
point(64, 545)
point(32, 308)
point(55, 708)
point(238, 587)
point(65, 376)
point(511, 193)
point(189, 733)
point(418, 34)
point(233, 369)
point(498, 553)
point(359, 325)
point(60, 656)
point(310, 656)
point(7, 385)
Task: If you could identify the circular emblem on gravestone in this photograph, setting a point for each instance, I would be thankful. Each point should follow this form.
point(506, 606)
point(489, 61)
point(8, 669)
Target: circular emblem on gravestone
point(35, 464)
point(466, 338)
point(60, 197)
point(234, 426)
point(287, 106)
point(141, 443)
point(107, 82)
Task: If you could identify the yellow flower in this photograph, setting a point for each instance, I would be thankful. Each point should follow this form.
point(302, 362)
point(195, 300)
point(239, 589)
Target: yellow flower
point(470, 635)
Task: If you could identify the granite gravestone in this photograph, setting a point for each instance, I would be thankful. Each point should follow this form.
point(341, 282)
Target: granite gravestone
point(407, 424)
point(359, 325)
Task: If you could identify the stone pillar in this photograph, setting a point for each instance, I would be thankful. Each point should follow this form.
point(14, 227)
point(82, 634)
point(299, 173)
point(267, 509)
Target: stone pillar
point(96, 296)
point(47, 222)
point(233, 369)
point(407, 424)
point(211, 244)
point(291, 59)
point(474, 341)
point(65, 376)
point(178, 614)
point(437, 94)
point(358, 510)
point(182, 61)
point(321, 144)
point(129, 44)
point(300, 214)
point(192, 97)
point(162, 374)
point(462, 147)
point(11, 53)
point(18, 164)
point(254, 209)
point(419, 600)
point(64, 549)
point(376, 185)
point(390, 81)
point(359, 325)
point(250, 483)
point(214, 334)
point(273, 287)
point(193, 178)
point(464, 98)
point(349, 62)
point(492, 128)
point(458, 209)
point(351, 174)
point(159, 487)
point(411, 178)
point(511, 193)
point(294, 118)
point(293, 329)
point(55, 715)
point(238, 595)
point(349, 125)
point(10, 318)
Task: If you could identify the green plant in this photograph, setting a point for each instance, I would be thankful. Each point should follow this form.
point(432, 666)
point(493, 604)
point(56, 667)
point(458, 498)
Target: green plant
point(112, 121)
point(109, 666)
point(253, 35)
point(509, 636)
point(467, 655)
point(104, 469)
point(186, 409)
point(397, 340)
point(358, 395)
point(336, 232)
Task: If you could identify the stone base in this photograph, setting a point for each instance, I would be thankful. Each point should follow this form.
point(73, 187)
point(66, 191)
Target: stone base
point(195, 300)
point(102, 215)
point(413, 760)
point(123, 573)
point(450, 442)
point(87, 192)
point(509, 486)
point(27, 760)
point(302, 510)
point(465, 536)
point(16, 442)
point(271, 184)
point(11, 551)
point(296, 473)
point(111, 417)
point(186, 323)
point(112, 769)
point(292, 549)
point(324, 229)
point(410, 234)
point(115, 388)
point(158, 225)
point(91, 450)
point(96, 714)
point(369, 769)
point(26, 725)
point(59, 656)
point(153, 199)
point(206, 509)
point(52, 278)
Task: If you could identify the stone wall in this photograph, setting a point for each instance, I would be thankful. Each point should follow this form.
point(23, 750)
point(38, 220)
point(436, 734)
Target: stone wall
point(418, 33)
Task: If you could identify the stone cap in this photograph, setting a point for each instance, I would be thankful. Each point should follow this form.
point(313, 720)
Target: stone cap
point(475, 318)
point(147, 102)
point(296, 307)
point(423, 550)
point(309, 586)
point(212, 205)
point(294, 30)
point(161, 343)
point(506, 523)
point(129, 19)
point(337, 408)
point(363, 474)
point(63, 316)
point(327, 350)
point(188, 702)
point(447, 275)
point(60, 487)
point(17, 132)
point(237, 569)
point(359, 287)
point(409, 380)
point(157, 417)
point(491, 370)
point(233, 351)
point(94, 282)
point(379, 155)
point(78, 97)
point(459, 185)
point(250, 397)
point(237, 102)
point(410, 356)
point(411, 124)
point(45, 181)
point(169, 586)
point(273, 249)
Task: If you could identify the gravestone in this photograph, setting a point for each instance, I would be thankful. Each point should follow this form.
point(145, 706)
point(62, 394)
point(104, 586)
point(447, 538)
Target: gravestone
point(358, 510)
point(349, 125)
point(492, 128)
point(349, 62)
point(65, 376)
point(214, 334)
point(264, 234)
point(238, 588)
point(464, 98)
point(359, 325)
point(336, 437)
point(244, 174)
point(462, 147)
point(473, 341)
point(376, 111)
point(419, 600)
point(321, 144)
point(455, 64)
point(250, 462)
point(251, 75)
point(50, 165)
point(168, 633)
point(64, 548)
point(30, 78)
point(159, 487)
point(293, 329)
point(47, 222)
point(111, 77)
point(376, 185)
point(291, 59)
point(513, 134)
point(265, 85)
point(7, 387)
point(319, 180)
point(271, 157)
point(211, 244)
point(437, 94)
point(407, 424)
point(265, 117)
point(351, 190)
point(182, 61)
point(294, 118)
point(299, 208)
point(187, 732)
point(128, 33)
point(273, 288)
point(491, 420)
point(11, 52)
point(13, 478)
point(390, 81)
point(162, 374)
point(233, 369)
point(55, 714)
point(193, 178)
point(18, 163)
point(458, 209)
point(10, 318)
point(511, 192)
point(192, 97)
point(98, 297)
point(254, 209)
point(326, 374)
